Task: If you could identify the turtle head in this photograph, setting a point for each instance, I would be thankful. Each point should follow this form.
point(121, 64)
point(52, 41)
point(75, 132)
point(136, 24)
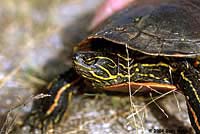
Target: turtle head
point(97, 67)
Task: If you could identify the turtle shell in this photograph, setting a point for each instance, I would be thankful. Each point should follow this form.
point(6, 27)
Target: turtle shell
point(154, 28)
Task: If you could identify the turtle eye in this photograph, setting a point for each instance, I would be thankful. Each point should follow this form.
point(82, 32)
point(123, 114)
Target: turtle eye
point(196, 63)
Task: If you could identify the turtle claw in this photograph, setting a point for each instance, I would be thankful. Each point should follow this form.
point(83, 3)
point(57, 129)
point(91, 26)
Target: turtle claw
point(36, 120)
point(46, 112)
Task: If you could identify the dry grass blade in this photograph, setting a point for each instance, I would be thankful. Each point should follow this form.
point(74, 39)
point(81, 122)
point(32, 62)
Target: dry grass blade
point(12, 114)
point(163, 111)
point(133, 106)
point(159, 97)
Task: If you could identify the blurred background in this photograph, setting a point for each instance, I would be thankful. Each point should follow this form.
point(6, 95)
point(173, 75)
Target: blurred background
point(36, 42)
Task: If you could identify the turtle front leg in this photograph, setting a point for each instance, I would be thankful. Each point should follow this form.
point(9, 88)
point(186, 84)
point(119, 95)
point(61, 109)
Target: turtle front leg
point(189, 83)
point(50, 110)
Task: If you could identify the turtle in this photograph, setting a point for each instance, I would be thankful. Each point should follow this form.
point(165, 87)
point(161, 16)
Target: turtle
point(143, 47)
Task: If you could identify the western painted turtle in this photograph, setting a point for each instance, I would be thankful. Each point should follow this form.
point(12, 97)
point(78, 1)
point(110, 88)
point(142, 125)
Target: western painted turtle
point(145, 47)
